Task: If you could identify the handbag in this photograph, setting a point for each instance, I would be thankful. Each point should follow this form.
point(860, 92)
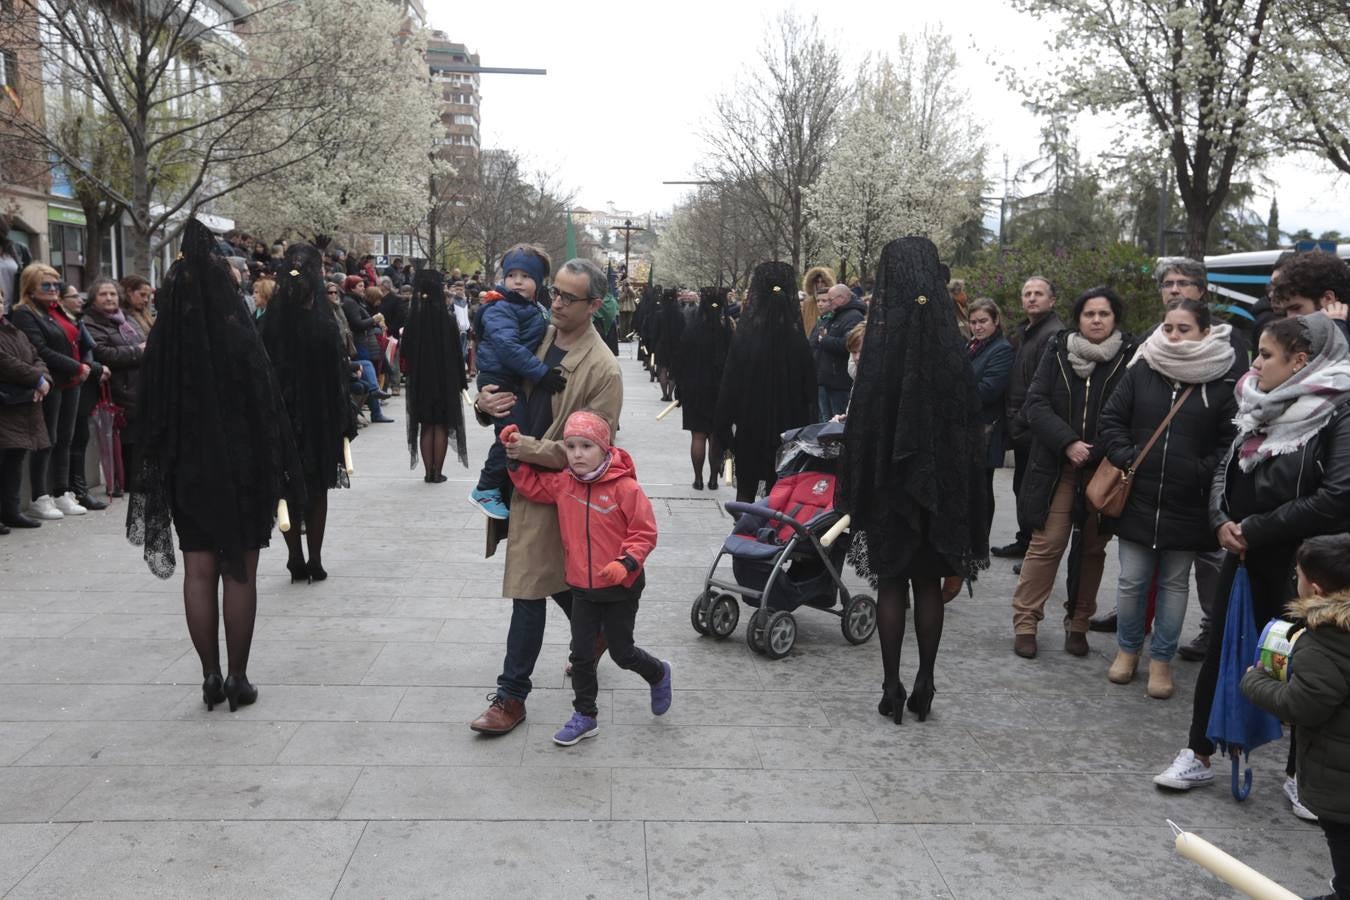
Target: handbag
point(1109, 488)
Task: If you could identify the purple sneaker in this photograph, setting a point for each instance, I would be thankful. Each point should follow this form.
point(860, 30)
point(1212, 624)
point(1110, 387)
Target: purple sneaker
point(577, 728)
point(661, 692)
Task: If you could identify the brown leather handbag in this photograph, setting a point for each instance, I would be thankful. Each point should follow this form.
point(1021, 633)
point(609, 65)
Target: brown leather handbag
point(1110, 486)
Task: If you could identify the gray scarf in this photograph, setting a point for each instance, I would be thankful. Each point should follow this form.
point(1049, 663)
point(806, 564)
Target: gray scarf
point(1084, 355)
point(1189, 362)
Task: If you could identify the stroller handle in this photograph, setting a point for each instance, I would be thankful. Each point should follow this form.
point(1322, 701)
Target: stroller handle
point(736, 508)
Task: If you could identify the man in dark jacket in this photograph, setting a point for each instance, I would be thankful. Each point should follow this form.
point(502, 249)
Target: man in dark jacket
point(842, 313)
point(1029, 339)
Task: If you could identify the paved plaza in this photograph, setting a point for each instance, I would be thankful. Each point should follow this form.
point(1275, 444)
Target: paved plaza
point(356, 776)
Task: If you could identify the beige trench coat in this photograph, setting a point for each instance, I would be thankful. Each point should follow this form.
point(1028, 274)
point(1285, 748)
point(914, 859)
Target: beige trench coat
point(534, 553)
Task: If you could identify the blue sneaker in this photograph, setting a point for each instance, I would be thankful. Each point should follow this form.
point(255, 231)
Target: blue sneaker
point(661, 692)
point(577, 728)
point(490, 503)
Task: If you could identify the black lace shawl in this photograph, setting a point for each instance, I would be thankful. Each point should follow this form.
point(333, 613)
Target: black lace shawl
point(769, 382)
point(669, 328)
point(217, 443)
point(702, 356)
point(912, 470)
point(435, 366)
point(310, 360)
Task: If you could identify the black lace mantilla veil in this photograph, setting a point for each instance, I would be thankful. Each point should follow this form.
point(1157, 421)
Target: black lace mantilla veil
point(769, 382)
point(217, 444)
point(913, 460)
point(436, 377)
point(310, 362)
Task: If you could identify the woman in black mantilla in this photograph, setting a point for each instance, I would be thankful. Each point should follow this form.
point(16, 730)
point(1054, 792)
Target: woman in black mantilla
point(669, 328)
point(309, 356)
point(699, 362)
point(769, 383)
point(912, 473)
point(218, 455)
point(436, 378)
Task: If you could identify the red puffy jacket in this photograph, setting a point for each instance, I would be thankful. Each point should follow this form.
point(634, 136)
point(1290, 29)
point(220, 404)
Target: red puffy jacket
point(601, 521)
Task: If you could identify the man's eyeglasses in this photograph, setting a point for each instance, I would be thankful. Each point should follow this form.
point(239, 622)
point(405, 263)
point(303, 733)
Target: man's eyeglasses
point(568, 299)
point(1179, 283)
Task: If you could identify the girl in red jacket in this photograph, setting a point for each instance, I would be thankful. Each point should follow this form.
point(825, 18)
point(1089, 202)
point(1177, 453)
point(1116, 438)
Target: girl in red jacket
point(607, 531)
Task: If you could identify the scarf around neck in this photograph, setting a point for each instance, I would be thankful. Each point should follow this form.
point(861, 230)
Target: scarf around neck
point(1085, 355)
point(1284, 419)
point(1189, 362)
point(599, 471)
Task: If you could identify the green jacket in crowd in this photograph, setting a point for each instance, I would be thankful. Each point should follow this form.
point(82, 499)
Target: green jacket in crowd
point(1316, 701)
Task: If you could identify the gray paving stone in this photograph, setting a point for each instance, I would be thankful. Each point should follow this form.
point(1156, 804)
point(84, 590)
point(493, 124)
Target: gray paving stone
point(211, 791)
point(399, 744)
point(18, 738)
point(23, 846)
point(160, 742)
point(446, 664)
point(926, 746)
point(93, 702)
point(234, 859)
point(739, 795)
point(307, 703)
point(35, 624)
point(462, 705)
point(32, 794)
point(782, 861)
point(498, 859)
point(972, 710)
point(721, 707)
point(478, 793)
point(86, 661)
point(645, 746)
point(290, 662)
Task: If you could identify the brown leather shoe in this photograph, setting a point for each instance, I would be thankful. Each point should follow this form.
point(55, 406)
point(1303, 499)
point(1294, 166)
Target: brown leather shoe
point(1024, 645)
point(1075, 642)
point(504, 714)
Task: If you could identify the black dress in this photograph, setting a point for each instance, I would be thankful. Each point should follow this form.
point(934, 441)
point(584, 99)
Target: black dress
point(218, 451)
point(699, 362)
point(435, 366)
point(912, 471)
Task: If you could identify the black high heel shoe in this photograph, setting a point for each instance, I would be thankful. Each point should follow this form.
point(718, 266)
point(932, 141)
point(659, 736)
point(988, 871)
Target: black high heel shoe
point(299, 572)
point(239, 692)
point(213, 691)
point(892, 701)
point(921, 701)
point(316, 572)
point(698, 484)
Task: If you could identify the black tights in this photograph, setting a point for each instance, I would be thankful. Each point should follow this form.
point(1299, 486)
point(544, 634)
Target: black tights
point(316, 519)
point(435, 443)
point(698, 455)
point(201, 576)
point(892, 600)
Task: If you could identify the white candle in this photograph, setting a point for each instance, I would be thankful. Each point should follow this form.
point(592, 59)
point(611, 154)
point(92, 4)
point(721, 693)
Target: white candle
point(347, 456)
point(283, 516)
point(668, 410)
point(837, 529)
point(726, 471)
point(1238, 874)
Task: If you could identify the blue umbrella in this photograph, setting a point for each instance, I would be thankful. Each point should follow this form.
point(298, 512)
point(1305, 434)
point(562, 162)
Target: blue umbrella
point(1235, 725)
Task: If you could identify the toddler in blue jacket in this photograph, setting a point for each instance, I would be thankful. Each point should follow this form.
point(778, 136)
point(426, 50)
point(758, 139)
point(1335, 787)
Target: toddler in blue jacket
point(511, 325)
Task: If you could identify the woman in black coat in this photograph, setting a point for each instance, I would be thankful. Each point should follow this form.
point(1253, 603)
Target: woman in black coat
point(991, 356)
point(1285, 478)
point(699, 362)
point(1166, 519)
point(436, 378)
point(669, 330)
point(119, 344)
point(769, 383)
point(1075, 377)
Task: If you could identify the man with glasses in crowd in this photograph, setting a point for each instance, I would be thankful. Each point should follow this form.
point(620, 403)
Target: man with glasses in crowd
point(534, 554)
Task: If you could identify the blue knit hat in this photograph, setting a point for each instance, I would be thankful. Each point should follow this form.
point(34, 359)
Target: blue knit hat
point(531, 264)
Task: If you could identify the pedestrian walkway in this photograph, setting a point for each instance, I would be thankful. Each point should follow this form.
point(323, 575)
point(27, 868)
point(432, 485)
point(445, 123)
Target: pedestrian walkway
point(355, 775)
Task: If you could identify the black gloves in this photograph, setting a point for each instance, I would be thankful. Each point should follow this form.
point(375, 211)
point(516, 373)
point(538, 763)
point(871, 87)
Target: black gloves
point(553, 381)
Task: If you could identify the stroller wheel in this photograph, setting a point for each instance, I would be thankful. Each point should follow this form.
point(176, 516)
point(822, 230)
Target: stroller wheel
point(698, 613)
point(723, 616)
point(779, 635)
point(859, 620)
point(754, 630)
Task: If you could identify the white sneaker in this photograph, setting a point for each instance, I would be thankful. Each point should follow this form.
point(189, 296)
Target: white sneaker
point(1185, 772)
point(69, 505)
point(44, 508)
point(1291, 791)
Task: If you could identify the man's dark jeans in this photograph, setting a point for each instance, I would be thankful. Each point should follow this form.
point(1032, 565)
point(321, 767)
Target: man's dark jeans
point(1021, 459)
point(524, 641)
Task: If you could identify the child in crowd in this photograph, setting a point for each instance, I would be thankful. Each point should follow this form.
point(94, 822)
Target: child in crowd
point(608, 530)
point(1316, 698)
point(511, 324)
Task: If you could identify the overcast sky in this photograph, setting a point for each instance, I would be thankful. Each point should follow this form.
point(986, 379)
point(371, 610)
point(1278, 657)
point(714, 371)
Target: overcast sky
point(629, 87)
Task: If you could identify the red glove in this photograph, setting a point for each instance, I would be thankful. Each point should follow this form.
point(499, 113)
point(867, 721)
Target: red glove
point(510, 434)
point(612, 574)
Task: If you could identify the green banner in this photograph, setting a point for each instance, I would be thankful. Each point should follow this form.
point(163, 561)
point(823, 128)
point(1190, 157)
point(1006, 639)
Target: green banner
point(61, 214)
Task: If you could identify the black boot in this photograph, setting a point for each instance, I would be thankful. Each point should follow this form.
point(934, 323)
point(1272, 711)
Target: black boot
point(80, 488)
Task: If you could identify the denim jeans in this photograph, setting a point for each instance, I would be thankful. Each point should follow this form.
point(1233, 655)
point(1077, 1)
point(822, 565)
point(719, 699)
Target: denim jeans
point(524, 640)
point(1137, 564)
point(372, 385)
point(832, 402)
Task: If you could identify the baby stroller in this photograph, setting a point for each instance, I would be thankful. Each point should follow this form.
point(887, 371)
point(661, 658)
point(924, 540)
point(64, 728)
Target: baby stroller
point(787, 553)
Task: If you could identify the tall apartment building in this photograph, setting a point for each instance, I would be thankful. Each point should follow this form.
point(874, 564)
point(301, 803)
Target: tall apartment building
point(459, 96)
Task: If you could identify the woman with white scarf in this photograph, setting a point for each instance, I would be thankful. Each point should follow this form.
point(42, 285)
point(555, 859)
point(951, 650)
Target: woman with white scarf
point(1285, 478)
point(1166, 520)
point(1076, 375)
